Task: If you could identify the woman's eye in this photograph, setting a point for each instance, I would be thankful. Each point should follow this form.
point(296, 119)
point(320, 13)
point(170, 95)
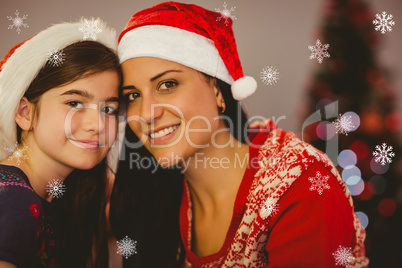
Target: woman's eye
point(167, 85)
point(76, 104)
point(132, 96)
point(109, 110)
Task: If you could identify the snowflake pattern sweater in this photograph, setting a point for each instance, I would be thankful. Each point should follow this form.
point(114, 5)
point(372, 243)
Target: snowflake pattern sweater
point(291, 210)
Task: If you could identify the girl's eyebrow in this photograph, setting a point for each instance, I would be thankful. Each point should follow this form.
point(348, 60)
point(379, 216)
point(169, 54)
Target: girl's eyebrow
point(82, 93)
point(87, 95)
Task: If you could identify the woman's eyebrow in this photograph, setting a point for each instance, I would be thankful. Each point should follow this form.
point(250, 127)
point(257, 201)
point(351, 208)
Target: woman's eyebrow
point(162, 74)
point(128, 87)
point(153, 78)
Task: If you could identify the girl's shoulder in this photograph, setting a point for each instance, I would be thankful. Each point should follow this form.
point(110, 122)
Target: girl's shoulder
point(18, 201)
point(16, 193)
point(20, 216)
point(14, 178)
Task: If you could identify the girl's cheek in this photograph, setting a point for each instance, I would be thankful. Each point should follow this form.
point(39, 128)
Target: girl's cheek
point(72, 123)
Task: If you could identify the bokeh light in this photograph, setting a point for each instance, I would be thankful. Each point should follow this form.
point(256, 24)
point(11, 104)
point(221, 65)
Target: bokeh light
point(363, 218)
point(347, 158)
point(354, 118)
point(355, 185)
point(351, 171)
point(387, 207)
point(325, 130)
point(377, 168)
point(394, 122)
point(361, 149)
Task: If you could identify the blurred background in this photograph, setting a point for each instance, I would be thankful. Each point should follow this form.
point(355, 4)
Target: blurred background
point(363, 73)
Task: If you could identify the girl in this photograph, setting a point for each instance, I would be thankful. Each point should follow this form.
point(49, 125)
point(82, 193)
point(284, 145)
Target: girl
point(262, 200)
point(60, 96)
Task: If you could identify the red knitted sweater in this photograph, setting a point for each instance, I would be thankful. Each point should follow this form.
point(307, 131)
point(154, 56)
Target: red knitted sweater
point(293, 210)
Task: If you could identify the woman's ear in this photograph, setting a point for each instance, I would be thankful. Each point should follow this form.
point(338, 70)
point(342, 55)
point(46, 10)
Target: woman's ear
point(24, 115)
point(220, 102)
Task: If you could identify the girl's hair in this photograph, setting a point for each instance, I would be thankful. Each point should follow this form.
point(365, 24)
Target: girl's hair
point(145, 201)
point(81, 59)
point(81, 219)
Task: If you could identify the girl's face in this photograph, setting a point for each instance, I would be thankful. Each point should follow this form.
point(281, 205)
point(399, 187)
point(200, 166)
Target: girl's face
point(77, 123)
point(171, 108)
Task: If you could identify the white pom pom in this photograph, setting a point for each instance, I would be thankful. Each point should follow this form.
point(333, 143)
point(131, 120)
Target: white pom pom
point(243, 87)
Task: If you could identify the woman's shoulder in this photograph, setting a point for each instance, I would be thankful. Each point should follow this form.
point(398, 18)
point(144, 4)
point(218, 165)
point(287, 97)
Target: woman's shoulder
point(283, 158)
point(283, 150)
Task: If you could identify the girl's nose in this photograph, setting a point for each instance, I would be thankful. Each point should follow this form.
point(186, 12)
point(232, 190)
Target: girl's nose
point(93, 120)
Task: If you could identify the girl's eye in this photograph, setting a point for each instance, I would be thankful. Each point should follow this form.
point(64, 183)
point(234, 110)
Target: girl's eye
point(76, 104)
point(132, 96)
point(167, 85)
point(109, 110)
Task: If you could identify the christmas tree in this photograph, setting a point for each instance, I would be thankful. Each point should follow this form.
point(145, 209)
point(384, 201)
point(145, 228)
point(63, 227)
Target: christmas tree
point(366, 124)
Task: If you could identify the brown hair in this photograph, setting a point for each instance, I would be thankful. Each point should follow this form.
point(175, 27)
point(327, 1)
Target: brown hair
point(81, 222)
point(81, 59)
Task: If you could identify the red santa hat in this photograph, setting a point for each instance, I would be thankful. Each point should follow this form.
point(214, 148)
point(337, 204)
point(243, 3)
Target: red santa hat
point(24, 61)
point(190, 35)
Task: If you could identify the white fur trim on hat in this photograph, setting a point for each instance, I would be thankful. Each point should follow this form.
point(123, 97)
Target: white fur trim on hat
point(243, 87)
point(25, 63)
point(174, 44)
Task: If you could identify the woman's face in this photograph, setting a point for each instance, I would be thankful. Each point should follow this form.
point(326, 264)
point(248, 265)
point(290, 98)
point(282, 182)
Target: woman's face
point(173, 109)
point(77, 123)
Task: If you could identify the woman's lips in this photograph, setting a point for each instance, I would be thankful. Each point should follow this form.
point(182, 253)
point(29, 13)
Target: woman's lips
point(163, 134)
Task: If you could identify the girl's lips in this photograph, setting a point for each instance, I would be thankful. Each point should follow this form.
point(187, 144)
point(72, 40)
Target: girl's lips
point(86, 144)
point(164, 138)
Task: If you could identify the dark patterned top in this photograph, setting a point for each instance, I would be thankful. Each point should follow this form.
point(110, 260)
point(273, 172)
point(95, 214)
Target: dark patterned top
point(27, 233)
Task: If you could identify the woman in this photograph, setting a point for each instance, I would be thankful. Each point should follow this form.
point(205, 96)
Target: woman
point(266, 199)
point(58, 119)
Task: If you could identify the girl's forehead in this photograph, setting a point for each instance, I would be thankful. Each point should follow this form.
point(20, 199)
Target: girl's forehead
point(91, 87)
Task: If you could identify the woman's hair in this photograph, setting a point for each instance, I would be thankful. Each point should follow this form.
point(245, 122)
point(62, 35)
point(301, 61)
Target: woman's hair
point(80, 216)
point(145, 201)
point(233, 113)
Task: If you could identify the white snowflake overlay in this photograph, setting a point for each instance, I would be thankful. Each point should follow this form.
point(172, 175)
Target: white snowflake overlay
point(18, 22)
point(343, 256)
point(269, 75)
point(269, 208)
point(343, 124)
point(383, 154)
point(383, 22)
point(55, 187)
point(11, 150)
point(226, 13)
point(126, 247)
point(56, 57)
point(319, 183)
point(90, 29)
point(319, 51)
point(18, 153)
